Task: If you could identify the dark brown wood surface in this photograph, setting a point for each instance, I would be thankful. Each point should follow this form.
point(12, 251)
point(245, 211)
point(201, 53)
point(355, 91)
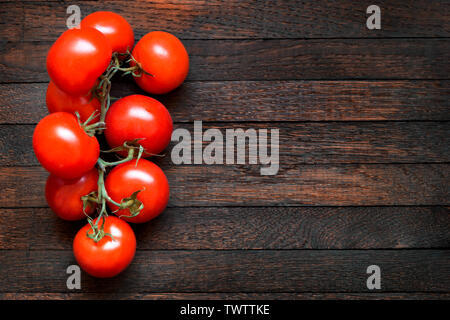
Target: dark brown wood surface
point(300, 143)
point(249, 228)
point(237, 19)
point(364, 154)
point(243, 185)
point(274, 59)
point(227, 296)
point(237, 271)
point(265, 101)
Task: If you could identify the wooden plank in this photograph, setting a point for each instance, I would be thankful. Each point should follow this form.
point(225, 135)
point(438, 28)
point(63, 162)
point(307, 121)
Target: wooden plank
point(237, 19)
point(16, 228)
point(17, 57)
point(281, 59)
point(236, 271)
point(11, 21)
point(243, 101)
point(294, 185)
point(300, 143)
point(226, 296)
point(248, 228)
point(23, 103)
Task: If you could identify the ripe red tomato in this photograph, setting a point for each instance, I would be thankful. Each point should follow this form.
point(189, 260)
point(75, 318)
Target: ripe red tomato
point(110, 256)
point(115, 28)
point(146, 176)
point(138, 116)
point(57, 100)
point(64, 195)
point(162, 55)
point(62, 146)
point(77, 58)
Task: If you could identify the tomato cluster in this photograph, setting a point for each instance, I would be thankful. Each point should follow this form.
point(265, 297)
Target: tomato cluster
point(81, 64)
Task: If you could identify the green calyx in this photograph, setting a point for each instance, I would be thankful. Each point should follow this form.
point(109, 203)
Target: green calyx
point(101, 197)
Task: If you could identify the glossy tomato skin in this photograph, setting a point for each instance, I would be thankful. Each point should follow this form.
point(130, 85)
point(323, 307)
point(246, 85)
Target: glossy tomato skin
point(163, 56)
point(114, 27)
point(108, 257)
point(62, 146)
point(58, 100)
point(64, 195)
point(127, 178)
point(77, 58)
point(142, 117)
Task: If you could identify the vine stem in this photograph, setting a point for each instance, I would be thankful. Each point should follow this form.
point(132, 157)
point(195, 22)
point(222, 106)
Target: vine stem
point(102, 196)
point(103, 164)
point(102, 92)
point(103, 88)
point(98, 232)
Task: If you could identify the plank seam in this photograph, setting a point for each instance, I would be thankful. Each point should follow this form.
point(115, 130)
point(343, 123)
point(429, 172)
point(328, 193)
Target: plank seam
point(282, 206)
point(243, 250)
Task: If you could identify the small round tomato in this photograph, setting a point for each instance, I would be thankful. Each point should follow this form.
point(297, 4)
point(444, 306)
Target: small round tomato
point(115, 28)
point(109, 256)
point(147, 177)
point(77, 58)
point(62, 146)
point(139, 117)
point(163, 56)
point(64, 195)
point(57, 100)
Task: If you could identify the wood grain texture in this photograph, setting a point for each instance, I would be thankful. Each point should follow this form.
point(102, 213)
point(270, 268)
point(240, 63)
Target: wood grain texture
point(243, 101)
point(364, 159)
point(237, 19)
point(300, 143)
point(227, 296)
point(294, 185)
point(11, 22)
point(236, 271)
point(280, 59)
point(248, 228)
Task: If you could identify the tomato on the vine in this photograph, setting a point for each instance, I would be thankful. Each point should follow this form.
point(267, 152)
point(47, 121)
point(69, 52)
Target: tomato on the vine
point(146, 177)
point(64, 195)
point(58, 100)
point(63, 147)
point(77, 58)
point(115, 28)
point(139, 117)
point(163, 56)
point(109, 256)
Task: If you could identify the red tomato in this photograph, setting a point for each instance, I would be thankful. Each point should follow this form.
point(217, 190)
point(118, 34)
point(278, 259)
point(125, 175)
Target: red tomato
point(77, 58)
point(62, 146)
point(138, 116)
point(115, 28)
point(57, 100)
point(110, 256)
point(164, 56)
point(127, 178)
point(64, 196)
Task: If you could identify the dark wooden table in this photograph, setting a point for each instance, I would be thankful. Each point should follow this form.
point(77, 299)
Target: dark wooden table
point(364, 153)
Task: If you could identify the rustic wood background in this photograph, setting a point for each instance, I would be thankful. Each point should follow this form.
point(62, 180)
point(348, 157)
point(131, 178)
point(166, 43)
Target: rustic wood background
point(364, 152)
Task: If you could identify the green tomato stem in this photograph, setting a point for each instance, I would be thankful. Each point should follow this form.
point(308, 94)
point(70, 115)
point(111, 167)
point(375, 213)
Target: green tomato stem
point(102, 92)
